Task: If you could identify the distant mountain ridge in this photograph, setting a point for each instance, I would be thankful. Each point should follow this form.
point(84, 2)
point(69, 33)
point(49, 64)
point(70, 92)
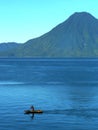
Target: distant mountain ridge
point(75, 37)
point(6, 46)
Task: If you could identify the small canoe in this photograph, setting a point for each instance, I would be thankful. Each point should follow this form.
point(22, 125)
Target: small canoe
point(33, 112)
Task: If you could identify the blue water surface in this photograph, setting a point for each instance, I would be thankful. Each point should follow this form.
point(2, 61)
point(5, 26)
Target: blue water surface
point(65, 89)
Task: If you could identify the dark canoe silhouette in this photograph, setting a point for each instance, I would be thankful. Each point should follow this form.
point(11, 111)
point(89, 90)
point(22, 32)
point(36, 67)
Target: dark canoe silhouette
point(32, 112)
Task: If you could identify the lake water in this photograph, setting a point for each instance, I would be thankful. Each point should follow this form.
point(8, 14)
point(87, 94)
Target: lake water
point(65, 89)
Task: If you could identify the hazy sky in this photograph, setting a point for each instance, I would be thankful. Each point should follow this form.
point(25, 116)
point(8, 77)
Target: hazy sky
point(21, 20)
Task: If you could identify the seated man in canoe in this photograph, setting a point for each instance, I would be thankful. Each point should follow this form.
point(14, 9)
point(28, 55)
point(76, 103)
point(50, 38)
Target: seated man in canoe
point(32, 108)
point(33, 111)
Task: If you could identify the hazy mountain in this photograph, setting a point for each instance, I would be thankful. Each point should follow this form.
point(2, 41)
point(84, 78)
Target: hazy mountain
point(9, 45)
point(75, 37)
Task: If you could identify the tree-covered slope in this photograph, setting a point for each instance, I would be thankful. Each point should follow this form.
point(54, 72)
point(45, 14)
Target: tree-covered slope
point(75, 37)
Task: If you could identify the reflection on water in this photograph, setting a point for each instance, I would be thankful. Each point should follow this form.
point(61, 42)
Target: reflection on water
point(82, 97)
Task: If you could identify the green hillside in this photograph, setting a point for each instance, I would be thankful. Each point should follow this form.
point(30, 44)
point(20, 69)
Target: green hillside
point(75, 37)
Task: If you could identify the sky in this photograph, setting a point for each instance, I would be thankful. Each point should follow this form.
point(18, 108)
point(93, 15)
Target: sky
point(21, 20)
